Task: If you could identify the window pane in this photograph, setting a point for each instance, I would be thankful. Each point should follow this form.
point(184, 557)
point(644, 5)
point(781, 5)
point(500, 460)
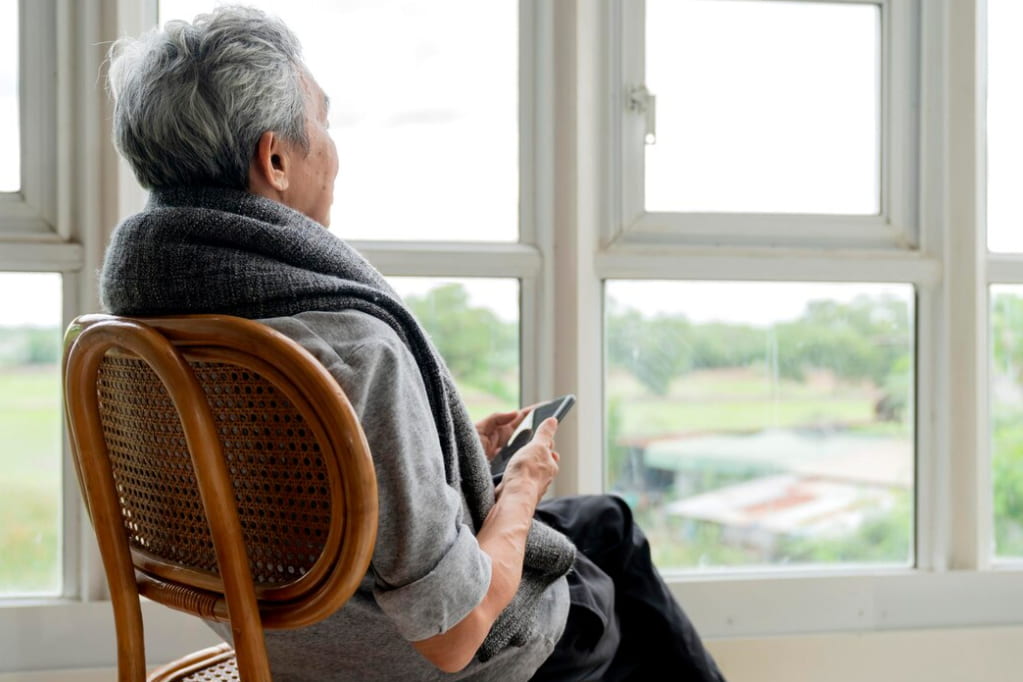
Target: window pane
point(763, 423)
point(30, 420)
point(1007, 417)
point(1004, 136)
point(10, 121)
point(424, 112)
point(764, 107)
point(474, 323)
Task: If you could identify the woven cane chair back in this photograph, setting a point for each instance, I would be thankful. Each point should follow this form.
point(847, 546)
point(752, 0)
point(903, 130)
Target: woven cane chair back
point(225, 473)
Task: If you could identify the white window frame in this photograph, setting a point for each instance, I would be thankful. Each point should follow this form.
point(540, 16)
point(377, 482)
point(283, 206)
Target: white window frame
point(896, 225)
point(997, 268)
point(573, 238)
point(59, 222)
point(932, 189)
point(31, 212)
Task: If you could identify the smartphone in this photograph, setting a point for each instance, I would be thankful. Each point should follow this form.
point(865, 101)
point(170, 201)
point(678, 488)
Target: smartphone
point(557, 408)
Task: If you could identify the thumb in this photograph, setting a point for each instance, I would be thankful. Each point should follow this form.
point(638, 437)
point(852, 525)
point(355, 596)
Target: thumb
point(547, 429)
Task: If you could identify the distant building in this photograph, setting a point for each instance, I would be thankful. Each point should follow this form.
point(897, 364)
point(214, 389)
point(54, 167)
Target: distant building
point(764, 486)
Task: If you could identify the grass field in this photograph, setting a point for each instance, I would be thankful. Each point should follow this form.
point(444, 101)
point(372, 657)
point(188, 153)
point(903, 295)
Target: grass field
point(30, 482)
point(30, 419)
point(735, 400)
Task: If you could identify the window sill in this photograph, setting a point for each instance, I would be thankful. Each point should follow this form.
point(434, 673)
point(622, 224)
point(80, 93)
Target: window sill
point(792, 604)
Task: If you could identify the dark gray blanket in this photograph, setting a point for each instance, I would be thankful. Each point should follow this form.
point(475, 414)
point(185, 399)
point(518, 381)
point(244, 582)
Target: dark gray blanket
point(212, 250)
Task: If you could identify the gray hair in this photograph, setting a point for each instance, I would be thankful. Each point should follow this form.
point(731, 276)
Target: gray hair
point(192, 100)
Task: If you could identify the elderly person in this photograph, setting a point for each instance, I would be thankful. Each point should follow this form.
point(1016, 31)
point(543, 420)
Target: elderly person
point(226, 127)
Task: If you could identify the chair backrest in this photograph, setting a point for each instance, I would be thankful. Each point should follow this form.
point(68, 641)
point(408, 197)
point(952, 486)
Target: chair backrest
point(225, 473)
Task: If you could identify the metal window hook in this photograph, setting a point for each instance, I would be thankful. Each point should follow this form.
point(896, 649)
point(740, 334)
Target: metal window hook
point(642, 101)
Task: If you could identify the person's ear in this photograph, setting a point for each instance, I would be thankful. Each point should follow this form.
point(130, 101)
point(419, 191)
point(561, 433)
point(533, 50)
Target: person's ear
point(270, 164)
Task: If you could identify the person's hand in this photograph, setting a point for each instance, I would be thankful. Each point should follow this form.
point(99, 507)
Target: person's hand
point(496, 429)
point(532, 468)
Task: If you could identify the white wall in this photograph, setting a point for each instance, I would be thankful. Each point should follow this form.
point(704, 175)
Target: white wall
point(954, 655)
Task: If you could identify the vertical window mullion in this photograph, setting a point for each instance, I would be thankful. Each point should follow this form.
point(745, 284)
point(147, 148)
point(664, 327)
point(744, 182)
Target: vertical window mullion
point(536, 197)
point(965, 287)
point(629, 58)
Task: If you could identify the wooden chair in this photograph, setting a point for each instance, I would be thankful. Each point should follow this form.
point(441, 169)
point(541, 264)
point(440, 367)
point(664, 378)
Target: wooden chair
point(226, 475)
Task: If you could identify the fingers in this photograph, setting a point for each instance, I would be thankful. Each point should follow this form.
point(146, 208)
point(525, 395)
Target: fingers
point(537, 463)
point(545, 432)
point(502, 418)
point(519, 416)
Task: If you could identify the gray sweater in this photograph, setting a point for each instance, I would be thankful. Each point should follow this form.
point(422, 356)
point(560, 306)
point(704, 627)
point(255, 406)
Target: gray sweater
point(216, 250)
point(427, 571)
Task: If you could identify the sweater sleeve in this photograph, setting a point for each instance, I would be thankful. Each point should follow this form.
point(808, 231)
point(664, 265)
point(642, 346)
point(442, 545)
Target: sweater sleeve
point(428, 570)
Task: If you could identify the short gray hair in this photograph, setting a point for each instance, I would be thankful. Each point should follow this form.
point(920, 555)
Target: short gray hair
point(192, 100)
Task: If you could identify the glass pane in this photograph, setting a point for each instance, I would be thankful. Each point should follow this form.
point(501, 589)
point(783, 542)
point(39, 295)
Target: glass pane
point(1004, 136)
point(424, 112)
point(474, 323)
point(1007, 417)
point(766, 107)
point(10, 120)
point(30, 421)
point(763, 423)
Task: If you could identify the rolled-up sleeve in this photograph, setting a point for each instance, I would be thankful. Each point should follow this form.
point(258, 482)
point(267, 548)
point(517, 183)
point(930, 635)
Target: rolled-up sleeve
point(442, 597)
point(428, 570)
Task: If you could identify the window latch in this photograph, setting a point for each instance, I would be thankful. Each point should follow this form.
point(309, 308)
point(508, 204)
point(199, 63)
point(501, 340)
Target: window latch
point(642, 101)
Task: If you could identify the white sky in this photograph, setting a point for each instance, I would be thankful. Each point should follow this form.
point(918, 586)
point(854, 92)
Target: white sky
point(31, 298)
point(424, 113)
point(1005, 125)
point(10, 131)
point(766, 107)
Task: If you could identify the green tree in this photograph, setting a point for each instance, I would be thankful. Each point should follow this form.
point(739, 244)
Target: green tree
point(478, 347)
point(717, 344)
point(29, 346)
point(1007, 470)
point(861, 339)
point(1007, 336)
point(655, 350)
point(1007, 431)
point(42, 346)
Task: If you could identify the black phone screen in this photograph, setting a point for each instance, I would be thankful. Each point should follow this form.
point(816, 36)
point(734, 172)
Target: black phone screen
point(558, 408)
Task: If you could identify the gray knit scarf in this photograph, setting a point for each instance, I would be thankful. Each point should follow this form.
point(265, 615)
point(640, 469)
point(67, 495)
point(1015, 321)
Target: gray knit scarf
point(213, 250)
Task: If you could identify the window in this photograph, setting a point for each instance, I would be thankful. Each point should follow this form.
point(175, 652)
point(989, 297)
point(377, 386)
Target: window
point(1005, 240)
point(31, 419)
point(767, 123)
point(1004, 136)
point(54, 219)
point(602, 225)
point(10, 170)
point(763, 423)
point(424, 112)
point(748, 122)
point(34, 255)
point(1007, 418)
point(755, 419)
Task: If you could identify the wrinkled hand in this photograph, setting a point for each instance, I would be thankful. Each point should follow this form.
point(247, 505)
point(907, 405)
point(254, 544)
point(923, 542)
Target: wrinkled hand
point(533, 467)
point(496, 429)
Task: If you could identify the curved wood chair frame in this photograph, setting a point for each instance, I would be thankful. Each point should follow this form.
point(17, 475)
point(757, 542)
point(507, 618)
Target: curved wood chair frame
point(171, 347)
